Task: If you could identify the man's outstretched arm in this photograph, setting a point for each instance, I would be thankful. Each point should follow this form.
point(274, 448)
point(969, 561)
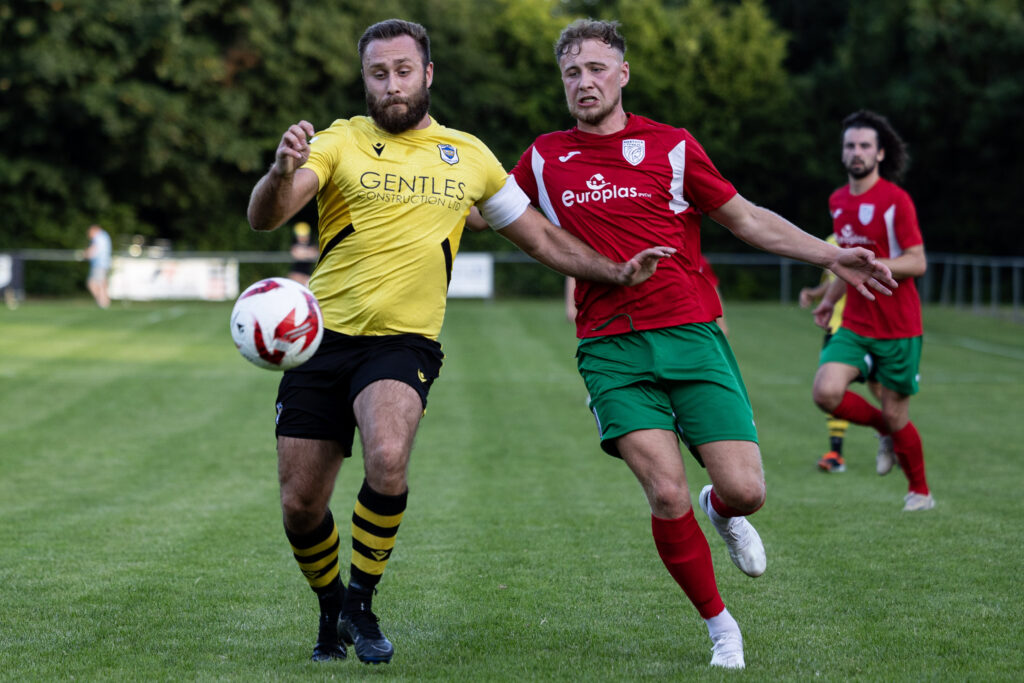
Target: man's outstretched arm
point(769, 231)
point(560, 251)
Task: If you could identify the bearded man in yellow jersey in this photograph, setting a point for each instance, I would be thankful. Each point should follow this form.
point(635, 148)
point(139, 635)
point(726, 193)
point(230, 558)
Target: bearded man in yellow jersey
point(393, 190)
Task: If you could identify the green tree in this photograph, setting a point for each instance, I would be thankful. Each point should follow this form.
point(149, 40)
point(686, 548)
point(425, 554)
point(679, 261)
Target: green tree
point(953, 87)
point(947, 74)
point(152, 116)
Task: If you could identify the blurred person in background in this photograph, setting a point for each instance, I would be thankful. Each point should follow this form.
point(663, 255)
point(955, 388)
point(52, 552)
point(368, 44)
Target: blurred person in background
point(304, 254)
point(99, 254)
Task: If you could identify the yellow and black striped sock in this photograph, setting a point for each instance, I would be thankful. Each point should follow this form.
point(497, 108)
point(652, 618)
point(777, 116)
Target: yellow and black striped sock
point(317, 555)
point(375, 523)
point(836, 432)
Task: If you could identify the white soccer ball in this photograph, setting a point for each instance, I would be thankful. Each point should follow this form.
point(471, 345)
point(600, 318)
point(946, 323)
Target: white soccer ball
point(277, 324)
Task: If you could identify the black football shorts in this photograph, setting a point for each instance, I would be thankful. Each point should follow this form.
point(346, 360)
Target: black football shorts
point(314, 400)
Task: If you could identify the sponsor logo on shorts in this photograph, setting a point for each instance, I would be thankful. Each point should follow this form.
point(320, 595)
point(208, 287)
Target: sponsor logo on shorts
point(277, 418)
point(423, 378)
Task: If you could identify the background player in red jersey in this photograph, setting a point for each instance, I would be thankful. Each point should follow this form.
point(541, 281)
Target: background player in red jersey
point(833, 460)
point(655, 363)
point(871, 211)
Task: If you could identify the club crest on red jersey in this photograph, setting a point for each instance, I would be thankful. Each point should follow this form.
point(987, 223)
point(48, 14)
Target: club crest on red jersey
point(634, 151)
point(449, 154)
point(865, 213)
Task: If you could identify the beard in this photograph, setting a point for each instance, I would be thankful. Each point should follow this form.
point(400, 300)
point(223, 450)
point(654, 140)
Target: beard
point(593, 117)
point(863, 171)
point(395, 119)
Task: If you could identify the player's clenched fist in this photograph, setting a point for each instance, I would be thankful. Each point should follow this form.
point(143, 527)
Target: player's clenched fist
point(293, 150)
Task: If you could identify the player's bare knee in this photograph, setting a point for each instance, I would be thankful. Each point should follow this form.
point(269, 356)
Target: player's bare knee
point(746, 497)
point(301, 513)
point(386, 470)
point(894, 420)
point(827, 398)
point(668, 501)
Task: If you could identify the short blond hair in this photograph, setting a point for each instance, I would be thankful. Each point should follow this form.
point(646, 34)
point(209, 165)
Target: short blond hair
point(589, 29)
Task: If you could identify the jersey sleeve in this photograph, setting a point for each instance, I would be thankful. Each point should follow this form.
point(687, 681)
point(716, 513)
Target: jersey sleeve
point(908, 232)
point(494, 173)
point(706, 188)
point(523, 173)
point(506, 205)
point(325, 151)
point(502, 201)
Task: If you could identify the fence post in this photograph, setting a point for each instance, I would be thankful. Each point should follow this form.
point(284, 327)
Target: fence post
point(947, 282)
point(995, 288)
point(976, 285)
point(1016, 290)
point(784, 278)
point(961, 275)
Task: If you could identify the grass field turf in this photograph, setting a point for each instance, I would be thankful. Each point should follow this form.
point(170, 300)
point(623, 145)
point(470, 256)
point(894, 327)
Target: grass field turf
point(141, 536)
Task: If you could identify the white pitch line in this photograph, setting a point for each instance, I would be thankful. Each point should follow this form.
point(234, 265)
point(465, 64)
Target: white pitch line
point(978, 345)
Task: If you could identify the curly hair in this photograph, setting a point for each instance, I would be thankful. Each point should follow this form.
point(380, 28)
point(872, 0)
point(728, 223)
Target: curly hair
point(897, 158)
point(589, 29)
point(395, 28)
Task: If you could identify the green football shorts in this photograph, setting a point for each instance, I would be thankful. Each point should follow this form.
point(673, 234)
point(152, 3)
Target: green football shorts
point(895, 363)
point(683, 379)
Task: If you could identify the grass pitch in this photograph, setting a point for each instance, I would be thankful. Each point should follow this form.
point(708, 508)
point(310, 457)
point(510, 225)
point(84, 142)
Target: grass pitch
point(141, 536)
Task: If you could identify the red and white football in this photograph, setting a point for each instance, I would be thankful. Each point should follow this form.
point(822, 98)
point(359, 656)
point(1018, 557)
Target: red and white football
point(277, 324)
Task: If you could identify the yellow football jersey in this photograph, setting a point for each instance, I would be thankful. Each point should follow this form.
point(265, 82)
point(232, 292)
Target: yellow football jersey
point(392, 210)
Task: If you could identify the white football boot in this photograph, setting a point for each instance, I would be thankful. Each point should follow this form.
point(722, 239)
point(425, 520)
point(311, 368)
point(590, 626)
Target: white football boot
point(740, 536)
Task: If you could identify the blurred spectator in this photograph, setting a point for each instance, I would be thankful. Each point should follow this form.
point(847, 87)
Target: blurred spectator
point(304, 254)
point(98, 253)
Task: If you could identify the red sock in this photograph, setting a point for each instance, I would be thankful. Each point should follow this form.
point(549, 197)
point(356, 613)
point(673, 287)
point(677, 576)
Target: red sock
point(854, 408)
point(685, 552)
point(907, 444)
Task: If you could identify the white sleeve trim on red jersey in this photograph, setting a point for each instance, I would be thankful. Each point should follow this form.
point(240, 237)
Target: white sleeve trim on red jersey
point(537, 166)
point(677, 160)
point(890, 232)
point(505, 205)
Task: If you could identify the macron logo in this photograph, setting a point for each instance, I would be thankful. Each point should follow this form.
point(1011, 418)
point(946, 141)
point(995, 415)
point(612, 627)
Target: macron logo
point(568, 156)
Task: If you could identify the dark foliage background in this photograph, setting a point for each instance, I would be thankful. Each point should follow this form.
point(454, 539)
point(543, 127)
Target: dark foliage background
point(156, 118)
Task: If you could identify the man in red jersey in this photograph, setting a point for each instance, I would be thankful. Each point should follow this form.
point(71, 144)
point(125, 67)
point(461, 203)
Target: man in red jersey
point(704, 269)
point(870, 211)
point(655, 363)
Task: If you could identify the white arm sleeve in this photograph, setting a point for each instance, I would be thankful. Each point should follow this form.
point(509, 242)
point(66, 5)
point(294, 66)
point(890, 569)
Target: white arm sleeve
point(505, 205)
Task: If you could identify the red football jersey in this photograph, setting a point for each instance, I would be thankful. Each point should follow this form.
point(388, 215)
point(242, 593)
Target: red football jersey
point(884, 220)
point(644, 186)
point(706, 270)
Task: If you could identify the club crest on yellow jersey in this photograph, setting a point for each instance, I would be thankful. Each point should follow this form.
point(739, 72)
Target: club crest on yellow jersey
point(449, 154)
